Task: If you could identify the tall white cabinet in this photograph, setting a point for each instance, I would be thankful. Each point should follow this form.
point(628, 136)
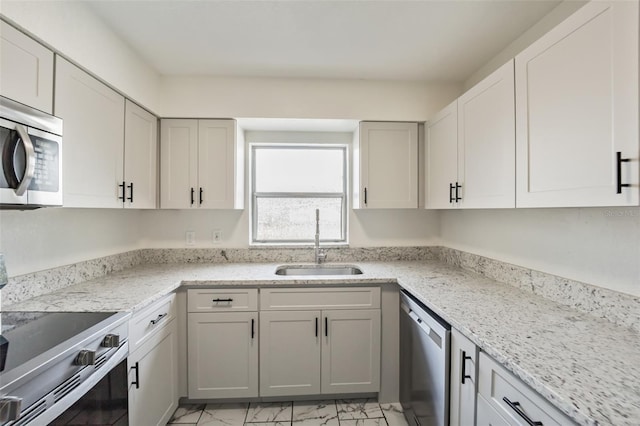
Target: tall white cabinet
point(26, 69)
point(386, 160)
point(93, 115)
point(577, 108)
point(201, 164)
point(470, 147)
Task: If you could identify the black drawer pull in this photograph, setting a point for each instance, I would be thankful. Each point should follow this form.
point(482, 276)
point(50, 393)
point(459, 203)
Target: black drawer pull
point(158, 319)
point(464, 367)
point(515, 406)
point(222, 300)
point(619, 161)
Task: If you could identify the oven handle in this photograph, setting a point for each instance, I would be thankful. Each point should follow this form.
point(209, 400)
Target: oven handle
point(30, 158)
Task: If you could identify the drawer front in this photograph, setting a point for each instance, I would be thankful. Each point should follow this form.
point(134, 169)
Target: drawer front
point(149, 321)
point(487, 416)
point(319, 298)
point(222, 300)
point(513, 399)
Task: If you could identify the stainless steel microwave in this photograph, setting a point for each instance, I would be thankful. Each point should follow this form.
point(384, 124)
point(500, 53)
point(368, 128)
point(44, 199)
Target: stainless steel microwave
point(31, 157)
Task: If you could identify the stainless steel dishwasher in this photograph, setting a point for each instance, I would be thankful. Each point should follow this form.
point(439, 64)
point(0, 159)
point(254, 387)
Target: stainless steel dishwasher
point(424, 364)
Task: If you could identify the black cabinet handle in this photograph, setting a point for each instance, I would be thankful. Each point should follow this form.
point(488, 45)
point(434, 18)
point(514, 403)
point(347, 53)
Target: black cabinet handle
point(201, 192)
point(515, 406)
point(192, 193)
point(130, 192)
point(137, 381)
point(450, 193)
point(316, 326)
point(458, 186)
point(464, 367)
point(222, 300)
point(326, 327)
point(121, 186)
point(253, 328)
point(158, 319)
point(365, 196)
point(619, 161)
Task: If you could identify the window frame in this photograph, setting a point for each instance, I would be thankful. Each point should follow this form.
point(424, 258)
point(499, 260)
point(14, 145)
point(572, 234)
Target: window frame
point(344, 195)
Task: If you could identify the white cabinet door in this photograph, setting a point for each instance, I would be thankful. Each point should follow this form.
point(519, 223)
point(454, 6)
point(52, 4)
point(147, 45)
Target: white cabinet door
point(464, 359)
point(26, 69)
point(178, 163)
point(153, 379)
point(216, 163)
point(351, 351)
point(577, 107)
point(223, 355)
point(388, 165)
point(140, 157)
point(93, 140)
point(442, 158)
point(486, 142)
point(289, 353)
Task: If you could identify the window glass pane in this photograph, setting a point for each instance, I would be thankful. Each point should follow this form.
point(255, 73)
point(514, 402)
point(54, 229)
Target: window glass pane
point(294, 219)
point(299, 170)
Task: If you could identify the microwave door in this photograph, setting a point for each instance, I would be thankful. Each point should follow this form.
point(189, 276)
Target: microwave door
point(15, 162)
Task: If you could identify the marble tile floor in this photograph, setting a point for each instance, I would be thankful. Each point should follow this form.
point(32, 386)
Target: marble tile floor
point(354, 412)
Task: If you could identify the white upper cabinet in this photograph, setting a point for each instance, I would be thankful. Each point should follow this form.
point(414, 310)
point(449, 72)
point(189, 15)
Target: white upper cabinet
point(93, 117)
point(201, 164)
point(140, 157)
point(486, 142)
point(470, 147)
point(577, 108)
point(26, 69)
point(388, 166)
point(441, 158)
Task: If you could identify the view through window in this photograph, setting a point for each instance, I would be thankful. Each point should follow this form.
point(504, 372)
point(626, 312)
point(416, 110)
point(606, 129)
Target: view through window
point(289, 182)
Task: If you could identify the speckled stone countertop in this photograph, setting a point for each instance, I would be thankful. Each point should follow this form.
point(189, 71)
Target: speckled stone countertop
point(587, 367)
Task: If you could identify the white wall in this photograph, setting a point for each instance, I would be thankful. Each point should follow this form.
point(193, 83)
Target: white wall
point(599, 246)
point(303, 98)
point(40, 239)
point(70, 28)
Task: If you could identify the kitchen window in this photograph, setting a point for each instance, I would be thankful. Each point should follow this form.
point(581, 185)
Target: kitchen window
point(289, 182)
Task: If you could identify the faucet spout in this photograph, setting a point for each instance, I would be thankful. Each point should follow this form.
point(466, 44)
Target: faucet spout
point(320, 255)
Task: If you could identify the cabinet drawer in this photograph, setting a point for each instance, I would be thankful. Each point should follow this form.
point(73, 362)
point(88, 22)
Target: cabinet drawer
point(499, 387)
point(146, 323)
point(222, 300)
point(487, 415)
point(319, 298)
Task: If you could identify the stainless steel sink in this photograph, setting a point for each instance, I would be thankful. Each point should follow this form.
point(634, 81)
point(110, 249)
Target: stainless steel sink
point(318, 270)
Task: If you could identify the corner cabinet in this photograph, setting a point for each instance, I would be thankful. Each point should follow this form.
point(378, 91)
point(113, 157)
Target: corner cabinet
point(201, 164)
point(222, 329)
point(153, 364)
point(577, 111)
point(26, 69)
point(336, 333)
point(110, 144)
point(386, 169)
point(470, 147)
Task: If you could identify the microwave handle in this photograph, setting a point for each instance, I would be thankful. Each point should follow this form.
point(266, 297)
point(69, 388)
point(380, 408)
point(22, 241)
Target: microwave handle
point(30, 158)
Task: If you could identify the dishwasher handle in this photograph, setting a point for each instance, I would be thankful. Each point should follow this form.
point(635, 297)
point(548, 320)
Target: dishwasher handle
point(437, 339)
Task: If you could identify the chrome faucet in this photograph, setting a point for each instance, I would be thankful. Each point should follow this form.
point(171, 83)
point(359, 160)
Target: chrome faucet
point(321, 255)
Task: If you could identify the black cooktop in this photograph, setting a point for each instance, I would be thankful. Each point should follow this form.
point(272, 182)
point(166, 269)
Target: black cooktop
point(29, 334)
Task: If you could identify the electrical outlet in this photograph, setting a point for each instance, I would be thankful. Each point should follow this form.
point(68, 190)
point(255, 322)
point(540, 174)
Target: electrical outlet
point(217, 236)
point(190, 238)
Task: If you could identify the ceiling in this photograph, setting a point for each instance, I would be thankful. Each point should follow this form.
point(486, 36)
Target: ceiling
point(419, 40)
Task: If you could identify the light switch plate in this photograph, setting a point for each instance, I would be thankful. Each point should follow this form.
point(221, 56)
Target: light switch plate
point(217, 236)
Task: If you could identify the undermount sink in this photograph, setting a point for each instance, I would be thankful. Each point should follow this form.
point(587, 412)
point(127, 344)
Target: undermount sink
point(318, 270)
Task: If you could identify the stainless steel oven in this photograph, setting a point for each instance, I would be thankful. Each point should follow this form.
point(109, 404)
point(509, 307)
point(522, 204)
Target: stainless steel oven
point(30, 157)
point(64, 368)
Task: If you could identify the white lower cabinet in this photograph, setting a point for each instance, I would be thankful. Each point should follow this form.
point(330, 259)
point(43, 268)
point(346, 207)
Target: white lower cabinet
point(464, 359)
point(153, 368)
point(512, 399)
point(223, 355)
point(487, 415)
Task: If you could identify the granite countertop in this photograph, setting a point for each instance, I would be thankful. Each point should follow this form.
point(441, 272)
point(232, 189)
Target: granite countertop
point(587, 367)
